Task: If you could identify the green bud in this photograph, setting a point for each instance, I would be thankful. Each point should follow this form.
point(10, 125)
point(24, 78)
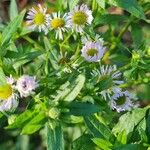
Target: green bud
point(53, 113)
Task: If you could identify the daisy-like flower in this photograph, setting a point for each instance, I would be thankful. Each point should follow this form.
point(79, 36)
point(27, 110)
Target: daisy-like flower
point(121, 101)
point(79, 17)
point(92, 51)
point(57, 23)
point(108, 77)
point(8, 99)
point(26, 85)
point(37, 19)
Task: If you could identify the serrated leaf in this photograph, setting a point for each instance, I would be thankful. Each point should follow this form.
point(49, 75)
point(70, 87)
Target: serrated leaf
point(128, 121)
point(13, 9)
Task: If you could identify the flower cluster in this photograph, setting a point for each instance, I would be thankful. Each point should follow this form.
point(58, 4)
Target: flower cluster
point(93, 50)
point(76, 19)
point(25, 85)
point(117, 98)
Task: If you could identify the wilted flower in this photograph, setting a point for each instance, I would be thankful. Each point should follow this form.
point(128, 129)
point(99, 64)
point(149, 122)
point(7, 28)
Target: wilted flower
point(93, 51)
point(79, 17)
point(26, 85)
point(121, 101)
point(110, 76)
point(37, 19)
point(57, 23)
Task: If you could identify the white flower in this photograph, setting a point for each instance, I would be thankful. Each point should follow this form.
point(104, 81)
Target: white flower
point(37, 19)
point(26, 85)
point(121, 101)
point(9, 104)
point(8, 99)
point(110, 76)
point(79, 17)
point(92, 51)
point(57, 23)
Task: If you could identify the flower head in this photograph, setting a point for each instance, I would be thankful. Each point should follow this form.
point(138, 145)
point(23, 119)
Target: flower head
point(8, 99)
point(92, 51)
point(109, 79)
point(79, 17)
point(37, 19)
point(121, 101)
point(57, 23)
point(26, 85)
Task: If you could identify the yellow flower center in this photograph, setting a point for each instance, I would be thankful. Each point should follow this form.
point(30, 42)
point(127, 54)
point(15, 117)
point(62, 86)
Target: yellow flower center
point(121, 100)
point(80, 18)
point(5, 91)
point(57, 23)
point(91, 52)
point(39, 19)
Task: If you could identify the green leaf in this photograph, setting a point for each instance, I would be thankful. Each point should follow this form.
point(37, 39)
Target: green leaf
point(30, 129)
point(78, 85)
point(12, 28)
point(101, 3)
point(137, 35)
point(13, 9)
point(131, 6)
point(22, 119)
point(34, 124)
point(128, 121)
point(50, 53)
point(81, 143)
point(70, 90)
point(130, 147)
point(83, 109)
point(108, 19)
point(101, 143)
point(97, 128)
point(148, 124)
point(122, 137)
point(2, 77)
point(55, 139)
point(72, 4)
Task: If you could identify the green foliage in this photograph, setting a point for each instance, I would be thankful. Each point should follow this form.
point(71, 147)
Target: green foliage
point(130, 6)
point(54, 137)
point(74, 105)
